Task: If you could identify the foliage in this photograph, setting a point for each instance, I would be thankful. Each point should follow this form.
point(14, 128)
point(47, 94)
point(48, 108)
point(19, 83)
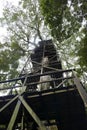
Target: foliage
point(9, 59)
point(67, 20)
point(24, 25)
point(58, 16)
point(82, 52)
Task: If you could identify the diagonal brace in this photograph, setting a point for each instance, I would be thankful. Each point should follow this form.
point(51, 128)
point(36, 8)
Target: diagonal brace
point(32, 113)
point(80, 88)
point(14, 116)
point(6, 105)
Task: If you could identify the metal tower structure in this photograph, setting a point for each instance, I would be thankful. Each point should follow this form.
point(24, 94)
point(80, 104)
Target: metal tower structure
point(48, 97)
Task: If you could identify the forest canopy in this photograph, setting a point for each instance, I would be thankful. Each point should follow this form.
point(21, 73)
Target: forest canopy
point(65, 21)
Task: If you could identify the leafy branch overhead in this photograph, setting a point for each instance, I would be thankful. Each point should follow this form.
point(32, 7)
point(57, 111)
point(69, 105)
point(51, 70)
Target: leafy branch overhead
point(67, 18)
point(65, 21)
point(25, 27)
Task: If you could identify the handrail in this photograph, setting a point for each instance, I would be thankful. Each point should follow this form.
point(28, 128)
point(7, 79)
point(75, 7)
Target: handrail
point(35, 75)
point(35, 83)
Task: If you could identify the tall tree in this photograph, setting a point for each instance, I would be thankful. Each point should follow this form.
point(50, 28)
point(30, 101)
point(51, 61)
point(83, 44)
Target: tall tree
point(25, 26)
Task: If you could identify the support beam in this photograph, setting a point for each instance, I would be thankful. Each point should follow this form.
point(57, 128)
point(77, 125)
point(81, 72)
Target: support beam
point(22, 120)
point(32, 113)
point(80, 88)
point(14, 116)
point(6, 105)
point(47, 67)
